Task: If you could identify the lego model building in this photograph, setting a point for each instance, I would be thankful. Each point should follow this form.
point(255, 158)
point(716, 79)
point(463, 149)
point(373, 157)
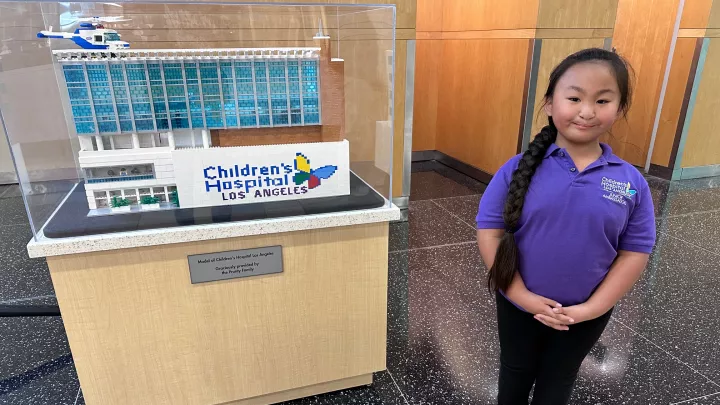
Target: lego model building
point(131, 108)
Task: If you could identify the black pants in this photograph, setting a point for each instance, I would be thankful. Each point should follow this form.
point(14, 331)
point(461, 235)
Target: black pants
point(531, 352)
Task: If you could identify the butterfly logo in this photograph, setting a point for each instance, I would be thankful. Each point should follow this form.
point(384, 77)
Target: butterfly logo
point(305, 173)
point(628, 191)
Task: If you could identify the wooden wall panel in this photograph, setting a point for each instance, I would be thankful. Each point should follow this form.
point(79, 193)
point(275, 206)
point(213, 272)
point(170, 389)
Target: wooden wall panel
point(643, 30)
point(714, 19)
point(479, 104)
point(702, 145)
point(672, 105)
point(696, 13)
point(429, 15)
point(552, 52)
point(473, 15)
point(577, 14)
point(428, 57)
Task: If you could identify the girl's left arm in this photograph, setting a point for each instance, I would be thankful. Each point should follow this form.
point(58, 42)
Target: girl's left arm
point(634, 249)
point(623, 274)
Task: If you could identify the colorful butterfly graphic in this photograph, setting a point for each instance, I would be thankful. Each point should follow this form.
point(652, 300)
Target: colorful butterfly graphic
point(629, 192)
point(305, 173)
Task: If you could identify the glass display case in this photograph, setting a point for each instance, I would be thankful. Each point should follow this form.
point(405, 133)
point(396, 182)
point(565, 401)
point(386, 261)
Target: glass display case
point(125, 116)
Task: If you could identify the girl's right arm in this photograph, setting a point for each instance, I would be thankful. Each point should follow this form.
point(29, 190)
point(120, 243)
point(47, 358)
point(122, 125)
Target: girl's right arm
point(488, 242)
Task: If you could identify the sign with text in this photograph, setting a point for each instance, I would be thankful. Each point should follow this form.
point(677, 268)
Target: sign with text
point(251, 174)
point(235, 264)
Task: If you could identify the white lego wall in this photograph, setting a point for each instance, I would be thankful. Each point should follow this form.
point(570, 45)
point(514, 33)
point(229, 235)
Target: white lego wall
point(160, 158)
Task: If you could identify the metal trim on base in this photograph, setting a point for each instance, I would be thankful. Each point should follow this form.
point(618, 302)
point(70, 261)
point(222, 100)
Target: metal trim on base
point(401, 202)
point(697, 172)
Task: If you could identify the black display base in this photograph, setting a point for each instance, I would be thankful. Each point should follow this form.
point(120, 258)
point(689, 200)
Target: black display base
point(72, 219)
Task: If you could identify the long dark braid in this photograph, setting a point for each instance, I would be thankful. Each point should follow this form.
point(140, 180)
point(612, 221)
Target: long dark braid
point(506, 258)
point(506, 262)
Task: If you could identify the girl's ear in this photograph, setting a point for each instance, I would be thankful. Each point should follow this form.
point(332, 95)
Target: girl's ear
point(548, 107)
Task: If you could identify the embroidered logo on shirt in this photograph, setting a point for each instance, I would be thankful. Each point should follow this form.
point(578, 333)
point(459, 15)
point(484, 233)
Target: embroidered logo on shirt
point(617, 191)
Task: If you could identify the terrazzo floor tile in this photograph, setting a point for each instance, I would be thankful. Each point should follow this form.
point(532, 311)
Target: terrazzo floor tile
point(681, 202)
point(712, 399)
point(13, 211)
point(399, 236)
point(624, 368)
point(53, 383)
point(383, 391)
point(465, 208)
point(700, 229)
point(424, 166)
point(398, 276)
point(9, 190)
point(443, 347)
point(20, 276)
point(429, 185)
point(36, 364)
point(675, 305)
point(431, 225)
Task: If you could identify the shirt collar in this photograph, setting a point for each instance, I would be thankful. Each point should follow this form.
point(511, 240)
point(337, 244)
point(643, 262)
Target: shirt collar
point(607, 153)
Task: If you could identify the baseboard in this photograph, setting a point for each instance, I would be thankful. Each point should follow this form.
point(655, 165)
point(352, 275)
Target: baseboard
point(660, 171)
point(424, 155)
point(464, 168)
point(449, 161)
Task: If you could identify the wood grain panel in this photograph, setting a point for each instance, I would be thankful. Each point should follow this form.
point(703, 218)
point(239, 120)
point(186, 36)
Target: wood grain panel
point(552, 52)
point(577, 14)
point(672, 105)
point(696, 13)
point(429, 15)
point(141, 333)
point(643, 30)
point(428, 62)
point(570, 33)
point(479, 104)
point(702, 146)
point(481, 34)
point(477, 15)
point(714, 19)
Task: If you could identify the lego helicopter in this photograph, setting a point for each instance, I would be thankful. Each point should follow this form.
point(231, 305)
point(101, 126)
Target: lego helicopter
point(91, 34)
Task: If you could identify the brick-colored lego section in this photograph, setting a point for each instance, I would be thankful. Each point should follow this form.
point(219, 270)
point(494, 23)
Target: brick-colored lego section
point(266, 136)
point(332, 93)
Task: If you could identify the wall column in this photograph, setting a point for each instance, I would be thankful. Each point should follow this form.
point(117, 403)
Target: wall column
point(171, 139)
point(86, 143)
point(205, 138)
point(135, 141)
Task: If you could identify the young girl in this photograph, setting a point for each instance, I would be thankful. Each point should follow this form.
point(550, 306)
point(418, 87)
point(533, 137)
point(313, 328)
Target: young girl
point(566, 229)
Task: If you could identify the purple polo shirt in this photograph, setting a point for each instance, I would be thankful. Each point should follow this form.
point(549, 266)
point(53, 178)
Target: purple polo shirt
point(573, 223)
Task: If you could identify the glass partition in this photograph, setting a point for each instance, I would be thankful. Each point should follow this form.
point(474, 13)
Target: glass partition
point(132, 115)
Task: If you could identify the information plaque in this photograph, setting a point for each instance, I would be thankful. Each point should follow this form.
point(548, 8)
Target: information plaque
point(235, 264)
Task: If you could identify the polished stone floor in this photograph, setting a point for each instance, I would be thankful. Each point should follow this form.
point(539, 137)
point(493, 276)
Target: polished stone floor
point(661, 347)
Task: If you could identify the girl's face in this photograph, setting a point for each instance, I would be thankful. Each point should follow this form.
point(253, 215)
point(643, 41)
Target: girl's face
point(585, 103)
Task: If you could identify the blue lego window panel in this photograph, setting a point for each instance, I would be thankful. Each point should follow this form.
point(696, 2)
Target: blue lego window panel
point(123, 97)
